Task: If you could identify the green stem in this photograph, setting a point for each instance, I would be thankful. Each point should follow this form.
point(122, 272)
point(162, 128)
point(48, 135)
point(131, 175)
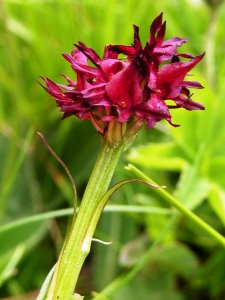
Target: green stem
point(185, 211)
point(78, 242)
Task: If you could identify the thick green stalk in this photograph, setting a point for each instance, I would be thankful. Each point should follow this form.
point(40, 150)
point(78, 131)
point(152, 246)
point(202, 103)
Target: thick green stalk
point(78, 242)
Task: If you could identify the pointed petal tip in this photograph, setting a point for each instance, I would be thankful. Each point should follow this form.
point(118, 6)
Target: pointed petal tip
point(43, 78)
point(160, 16)
point(199, 57)
point(67, 57)
point(37, 79)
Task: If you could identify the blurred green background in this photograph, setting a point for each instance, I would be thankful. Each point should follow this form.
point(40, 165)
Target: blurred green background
point(189, 160)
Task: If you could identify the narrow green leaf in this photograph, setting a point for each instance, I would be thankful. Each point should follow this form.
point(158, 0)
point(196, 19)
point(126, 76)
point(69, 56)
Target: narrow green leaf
point(11, 264)
point(69, 211)
point(109, 193)
point(180, 207)
point(44, 289)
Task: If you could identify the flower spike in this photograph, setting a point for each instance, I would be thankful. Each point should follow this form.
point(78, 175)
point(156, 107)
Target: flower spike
point(124, 90)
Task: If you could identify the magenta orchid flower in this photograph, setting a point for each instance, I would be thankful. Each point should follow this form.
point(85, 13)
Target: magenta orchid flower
point(128, 87)
point(135, 87)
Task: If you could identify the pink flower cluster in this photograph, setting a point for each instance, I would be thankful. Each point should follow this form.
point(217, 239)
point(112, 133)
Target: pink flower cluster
point(137, 85)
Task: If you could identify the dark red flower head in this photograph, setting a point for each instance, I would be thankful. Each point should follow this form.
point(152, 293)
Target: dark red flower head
point(135, 87)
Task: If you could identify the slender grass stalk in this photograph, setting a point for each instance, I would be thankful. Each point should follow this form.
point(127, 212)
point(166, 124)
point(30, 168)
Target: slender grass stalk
point(69, 211)
point(181, 208)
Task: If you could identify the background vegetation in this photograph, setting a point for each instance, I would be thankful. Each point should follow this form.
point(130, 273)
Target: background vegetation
point(189, 160)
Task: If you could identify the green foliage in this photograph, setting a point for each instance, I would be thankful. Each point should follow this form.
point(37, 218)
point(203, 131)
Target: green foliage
point(189, 160)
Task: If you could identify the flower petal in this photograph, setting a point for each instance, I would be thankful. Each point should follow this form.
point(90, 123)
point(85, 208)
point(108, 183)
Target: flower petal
point(124, 89)
point(170, 77)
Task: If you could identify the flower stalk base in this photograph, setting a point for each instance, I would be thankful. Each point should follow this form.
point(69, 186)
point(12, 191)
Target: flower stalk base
point(78, 242)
